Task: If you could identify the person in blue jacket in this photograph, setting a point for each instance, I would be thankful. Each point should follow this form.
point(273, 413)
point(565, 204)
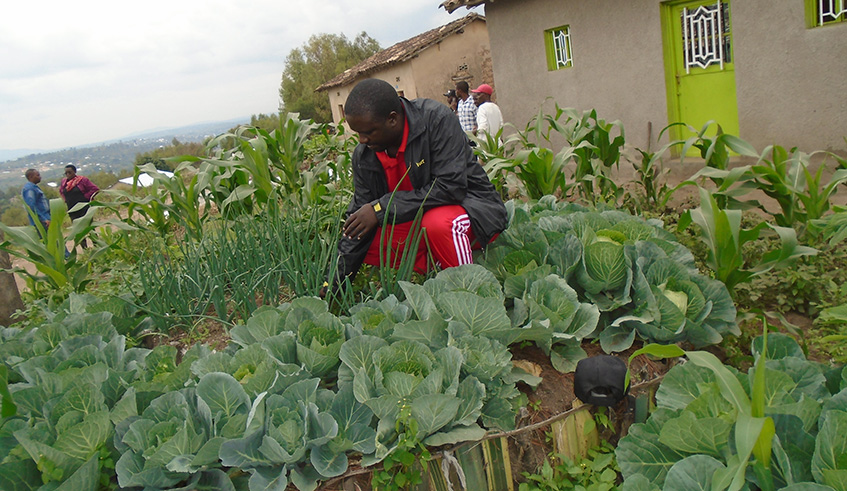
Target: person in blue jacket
point(34, 198)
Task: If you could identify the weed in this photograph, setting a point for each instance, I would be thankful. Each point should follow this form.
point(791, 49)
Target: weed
point(812, 284)
point(597, 472)
point(402, 468)
point(535, 405)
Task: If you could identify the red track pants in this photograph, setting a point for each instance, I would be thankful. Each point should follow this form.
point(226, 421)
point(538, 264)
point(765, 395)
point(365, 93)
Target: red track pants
point(448, 238)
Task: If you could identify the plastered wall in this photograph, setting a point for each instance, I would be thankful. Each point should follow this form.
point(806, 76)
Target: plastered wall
point(433, 71)
point(791, 81)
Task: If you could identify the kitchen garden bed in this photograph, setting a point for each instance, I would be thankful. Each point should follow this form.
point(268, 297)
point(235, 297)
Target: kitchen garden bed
point(212, 365)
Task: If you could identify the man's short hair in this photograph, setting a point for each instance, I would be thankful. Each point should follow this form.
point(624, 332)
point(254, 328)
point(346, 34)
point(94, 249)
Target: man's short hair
point(373, 97)
point(71, 167)
point(463, 86)
point(29, 173)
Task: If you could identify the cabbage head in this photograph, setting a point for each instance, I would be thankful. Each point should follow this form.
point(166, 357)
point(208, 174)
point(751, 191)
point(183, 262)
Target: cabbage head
point(319, 340)
point(674, 303)
point(408, 376)
point(378, 318)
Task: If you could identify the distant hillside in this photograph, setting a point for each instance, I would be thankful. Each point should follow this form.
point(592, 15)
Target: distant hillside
point(111, 156)
point(193, 133)
point(15, 153)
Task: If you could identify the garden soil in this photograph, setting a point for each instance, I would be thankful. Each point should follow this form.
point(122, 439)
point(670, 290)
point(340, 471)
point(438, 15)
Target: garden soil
point(555, 396)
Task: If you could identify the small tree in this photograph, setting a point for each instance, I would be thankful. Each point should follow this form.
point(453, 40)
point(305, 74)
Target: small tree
point(14, 216)
point(321, 58)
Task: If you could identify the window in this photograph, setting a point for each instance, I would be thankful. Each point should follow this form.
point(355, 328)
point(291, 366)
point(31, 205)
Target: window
point(558, 44)
point(822, 12)
point(706, 36)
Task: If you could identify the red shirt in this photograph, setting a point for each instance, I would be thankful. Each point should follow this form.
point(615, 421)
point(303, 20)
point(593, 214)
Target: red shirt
point(395, 168)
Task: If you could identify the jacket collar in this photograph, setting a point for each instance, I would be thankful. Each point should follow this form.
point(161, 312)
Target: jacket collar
point(413, 116)
point(417, 126)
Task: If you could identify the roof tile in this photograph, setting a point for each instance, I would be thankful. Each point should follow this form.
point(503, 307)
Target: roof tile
point(400, 52)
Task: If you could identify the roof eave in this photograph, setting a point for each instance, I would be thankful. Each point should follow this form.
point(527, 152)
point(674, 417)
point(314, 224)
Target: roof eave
point(451, 5)
point(365, 67)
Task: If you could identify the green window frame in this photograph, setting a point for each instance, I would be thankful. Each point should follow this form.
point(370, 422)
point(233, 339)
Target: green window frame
point(557, 43)
point(825, 12)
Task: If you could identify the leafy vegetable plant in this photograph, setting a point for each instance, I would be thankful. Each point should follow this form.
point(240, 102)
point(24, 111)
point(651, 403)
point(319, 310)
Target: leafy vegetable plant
point(624, 276)
point(721, 230)
point(714, 424)
point(598, 471)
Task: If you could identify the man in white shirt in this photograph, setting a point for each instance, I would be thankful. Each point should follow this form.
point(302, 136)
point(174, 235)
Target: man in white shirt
point(488, 116)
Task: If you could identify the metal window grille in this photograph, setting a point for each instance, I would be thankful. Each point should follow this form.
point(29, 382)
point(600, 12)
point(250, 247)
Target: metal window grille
point(562, 47)
point(706, 36)
point(831, 10)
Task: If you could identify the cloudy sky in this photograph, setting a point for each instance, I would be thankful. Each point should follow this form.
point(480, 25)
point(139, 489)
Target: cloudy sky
point(74, 73)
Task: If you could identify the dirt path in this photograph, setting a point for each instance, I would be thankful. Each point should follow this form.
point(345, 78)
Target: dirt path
point(678, 172)
point(19, 279)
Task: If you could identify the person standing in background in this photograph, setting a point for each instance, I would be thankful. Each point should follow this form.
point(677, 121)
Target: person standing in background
point(488, 117)
point(466, 109)
point(452, 100)
point(36, 201)
point(77, 189)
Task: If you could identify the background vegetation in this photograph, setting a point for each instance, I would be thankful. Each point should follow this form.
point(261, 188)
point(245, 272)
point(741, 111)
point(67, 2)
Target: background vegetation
point(320, 59)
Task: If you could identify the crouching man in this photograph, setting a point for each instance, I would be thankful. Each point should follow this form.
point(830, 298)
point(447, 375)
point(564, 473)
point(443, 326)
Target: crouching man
point(418, 149)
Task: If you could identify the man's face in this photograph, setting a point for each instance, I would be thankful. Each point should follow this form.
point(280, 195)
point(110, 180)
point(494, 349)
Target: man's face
point(70, 173)
point(378, 134)
point(479, 98)
point(36, 178)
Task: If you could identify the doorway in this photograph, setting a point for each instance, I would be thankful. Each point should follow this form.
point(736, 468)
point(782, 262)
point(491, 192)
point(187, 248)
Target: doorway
point(699, 66)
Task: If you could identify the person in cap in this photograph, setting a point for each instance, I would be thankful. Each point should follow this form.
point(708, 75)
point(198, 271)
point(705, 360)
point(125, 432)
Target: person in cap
point(488, 117)
point(452, 100)
point(412, 155)
point(466, 109)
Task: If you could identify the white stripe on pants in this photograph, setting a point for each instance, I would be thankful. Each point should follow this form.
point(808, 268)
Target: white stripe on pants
point(461, 225)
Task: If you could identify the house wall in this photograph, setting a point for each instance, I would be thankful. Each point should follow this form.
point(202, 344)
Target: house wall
point(619, 75)
point(400, 76)
point(791, 81)
point(462, 56)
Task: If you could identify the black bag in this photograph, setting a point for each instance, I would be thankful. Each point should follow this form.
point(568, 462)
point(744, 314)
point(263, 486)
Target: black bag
point(599, 380)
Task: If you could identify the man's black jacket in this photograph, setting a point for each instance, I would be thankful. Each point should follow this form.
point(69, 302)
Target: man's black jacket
point(443, 171)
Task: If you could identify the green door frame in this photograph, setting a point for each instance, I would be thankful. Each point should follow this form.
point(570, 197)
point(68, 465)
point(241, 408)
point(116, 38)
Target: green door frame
point(670, 51)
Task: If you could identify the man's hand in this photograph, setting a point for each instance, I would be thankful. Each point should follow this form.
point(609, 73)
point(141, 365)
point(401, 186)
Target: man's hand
point(360, 223)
